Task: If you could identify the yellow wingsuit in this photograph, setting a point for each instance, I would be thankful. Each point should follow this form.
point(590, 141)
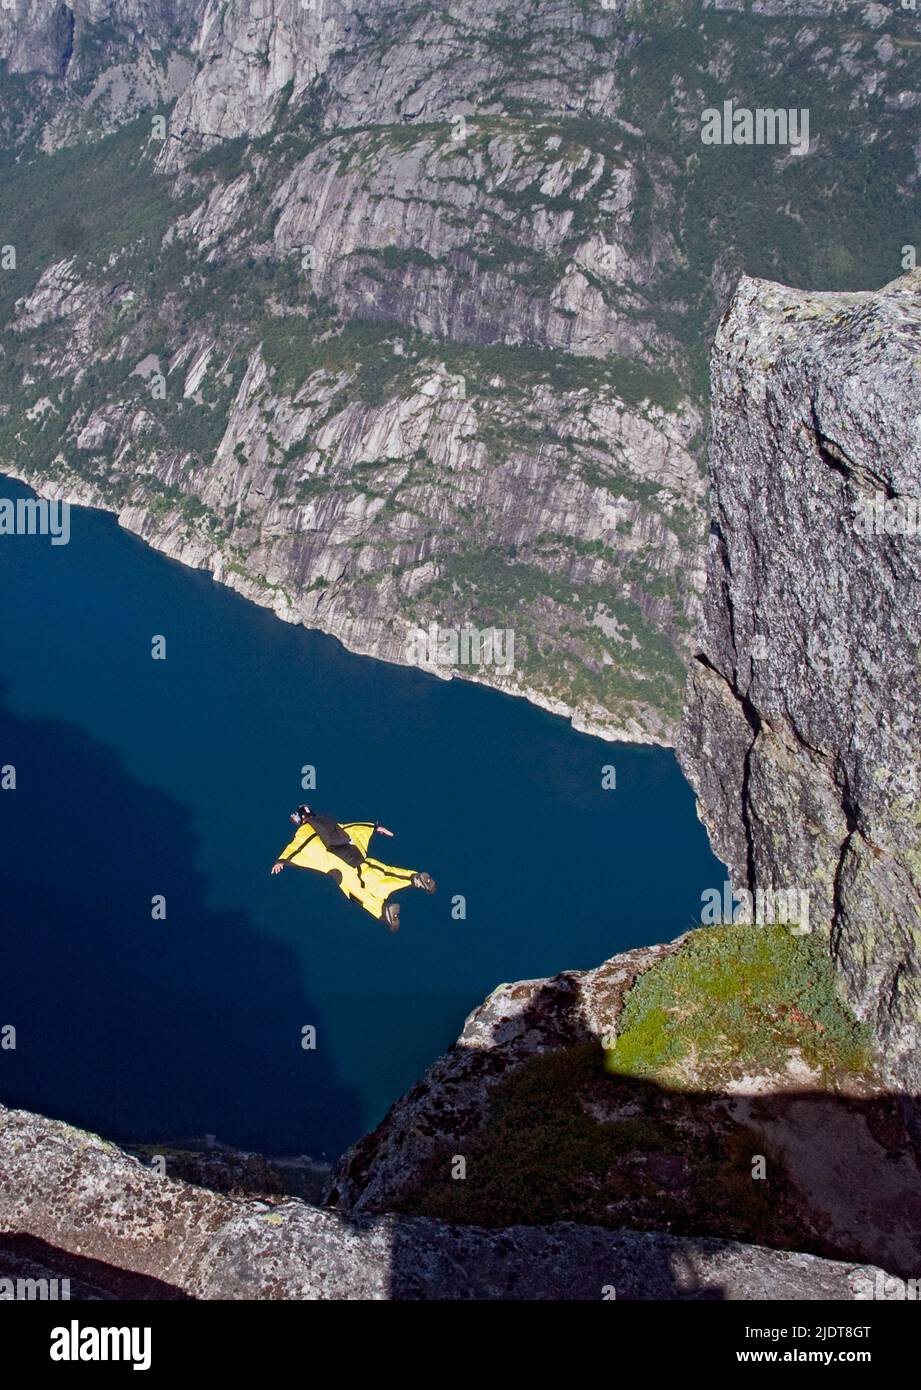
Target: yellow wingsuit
point(369, 883)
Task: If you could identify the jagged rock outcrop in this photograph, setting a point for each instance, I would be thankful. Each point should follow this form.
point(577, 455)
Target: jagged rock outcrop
point(803, 716)
point(451, 1102)
point(77, 70)
point(563, 1100)
point(73, 1206)
point(249, 54)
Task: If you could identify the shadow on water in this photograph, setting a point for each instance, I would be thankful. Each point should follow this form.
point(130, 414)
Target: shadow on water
point(105, 1000)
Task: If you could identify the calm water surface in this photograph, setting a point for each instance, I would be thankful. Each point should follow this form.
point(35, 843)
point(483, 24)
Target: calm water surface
point(138, 777)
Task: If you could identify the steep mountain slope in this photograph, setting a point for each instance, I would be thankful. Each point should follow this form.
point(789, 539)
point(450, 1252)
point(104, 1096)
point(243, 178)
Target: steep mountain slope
point(72, 72)
point(403, 319)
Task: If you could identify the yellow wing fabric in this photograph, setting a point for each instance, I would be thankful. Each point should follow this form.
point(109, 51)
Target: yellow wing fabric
point(359, 832)
point(372, 883)
point(369, 885)
point(307, 851)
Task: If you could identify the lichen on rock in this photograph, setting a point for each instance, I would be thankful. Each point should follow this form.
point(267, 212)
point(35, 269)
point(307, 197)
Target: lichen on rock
point(801, 726)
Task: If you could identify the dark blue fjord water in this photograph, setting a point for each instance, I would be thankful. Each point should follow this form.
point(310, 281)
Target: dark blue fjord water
point(138, 777)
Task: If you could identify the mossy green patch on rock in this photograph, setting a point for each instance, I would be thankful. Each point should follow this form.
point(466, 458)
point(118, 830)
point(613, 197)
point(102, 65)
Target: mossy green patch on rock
point(733, 1067)
point(740, 995)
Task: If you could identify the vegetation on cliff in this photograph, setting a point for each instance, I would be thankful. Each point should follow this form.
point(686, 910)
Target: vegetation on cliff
point(645, 1132)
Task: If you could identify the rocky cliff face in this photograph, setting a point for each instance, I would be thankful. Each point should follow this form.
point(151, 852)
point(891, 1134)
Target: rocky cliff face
point(72, 72)
point(74, 1207)
point(804, 709)
point(451, 1102)
point(647, 1094)
point(397, 316)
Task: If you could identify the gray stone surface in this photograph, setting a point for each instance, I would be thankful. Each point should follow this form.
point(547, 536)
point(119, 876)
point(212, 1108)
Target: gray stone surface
point(87, 1200)
point(803, 715)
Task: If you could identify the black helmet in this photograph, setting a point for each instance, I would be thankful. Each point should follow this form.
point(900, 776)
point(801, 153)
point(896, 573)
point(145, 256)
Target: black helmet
point(300, 815)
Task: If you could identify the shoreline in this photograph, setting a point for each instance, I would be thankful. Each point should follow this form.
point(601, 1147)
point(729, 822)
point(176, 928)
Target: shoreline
point(209, 558)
